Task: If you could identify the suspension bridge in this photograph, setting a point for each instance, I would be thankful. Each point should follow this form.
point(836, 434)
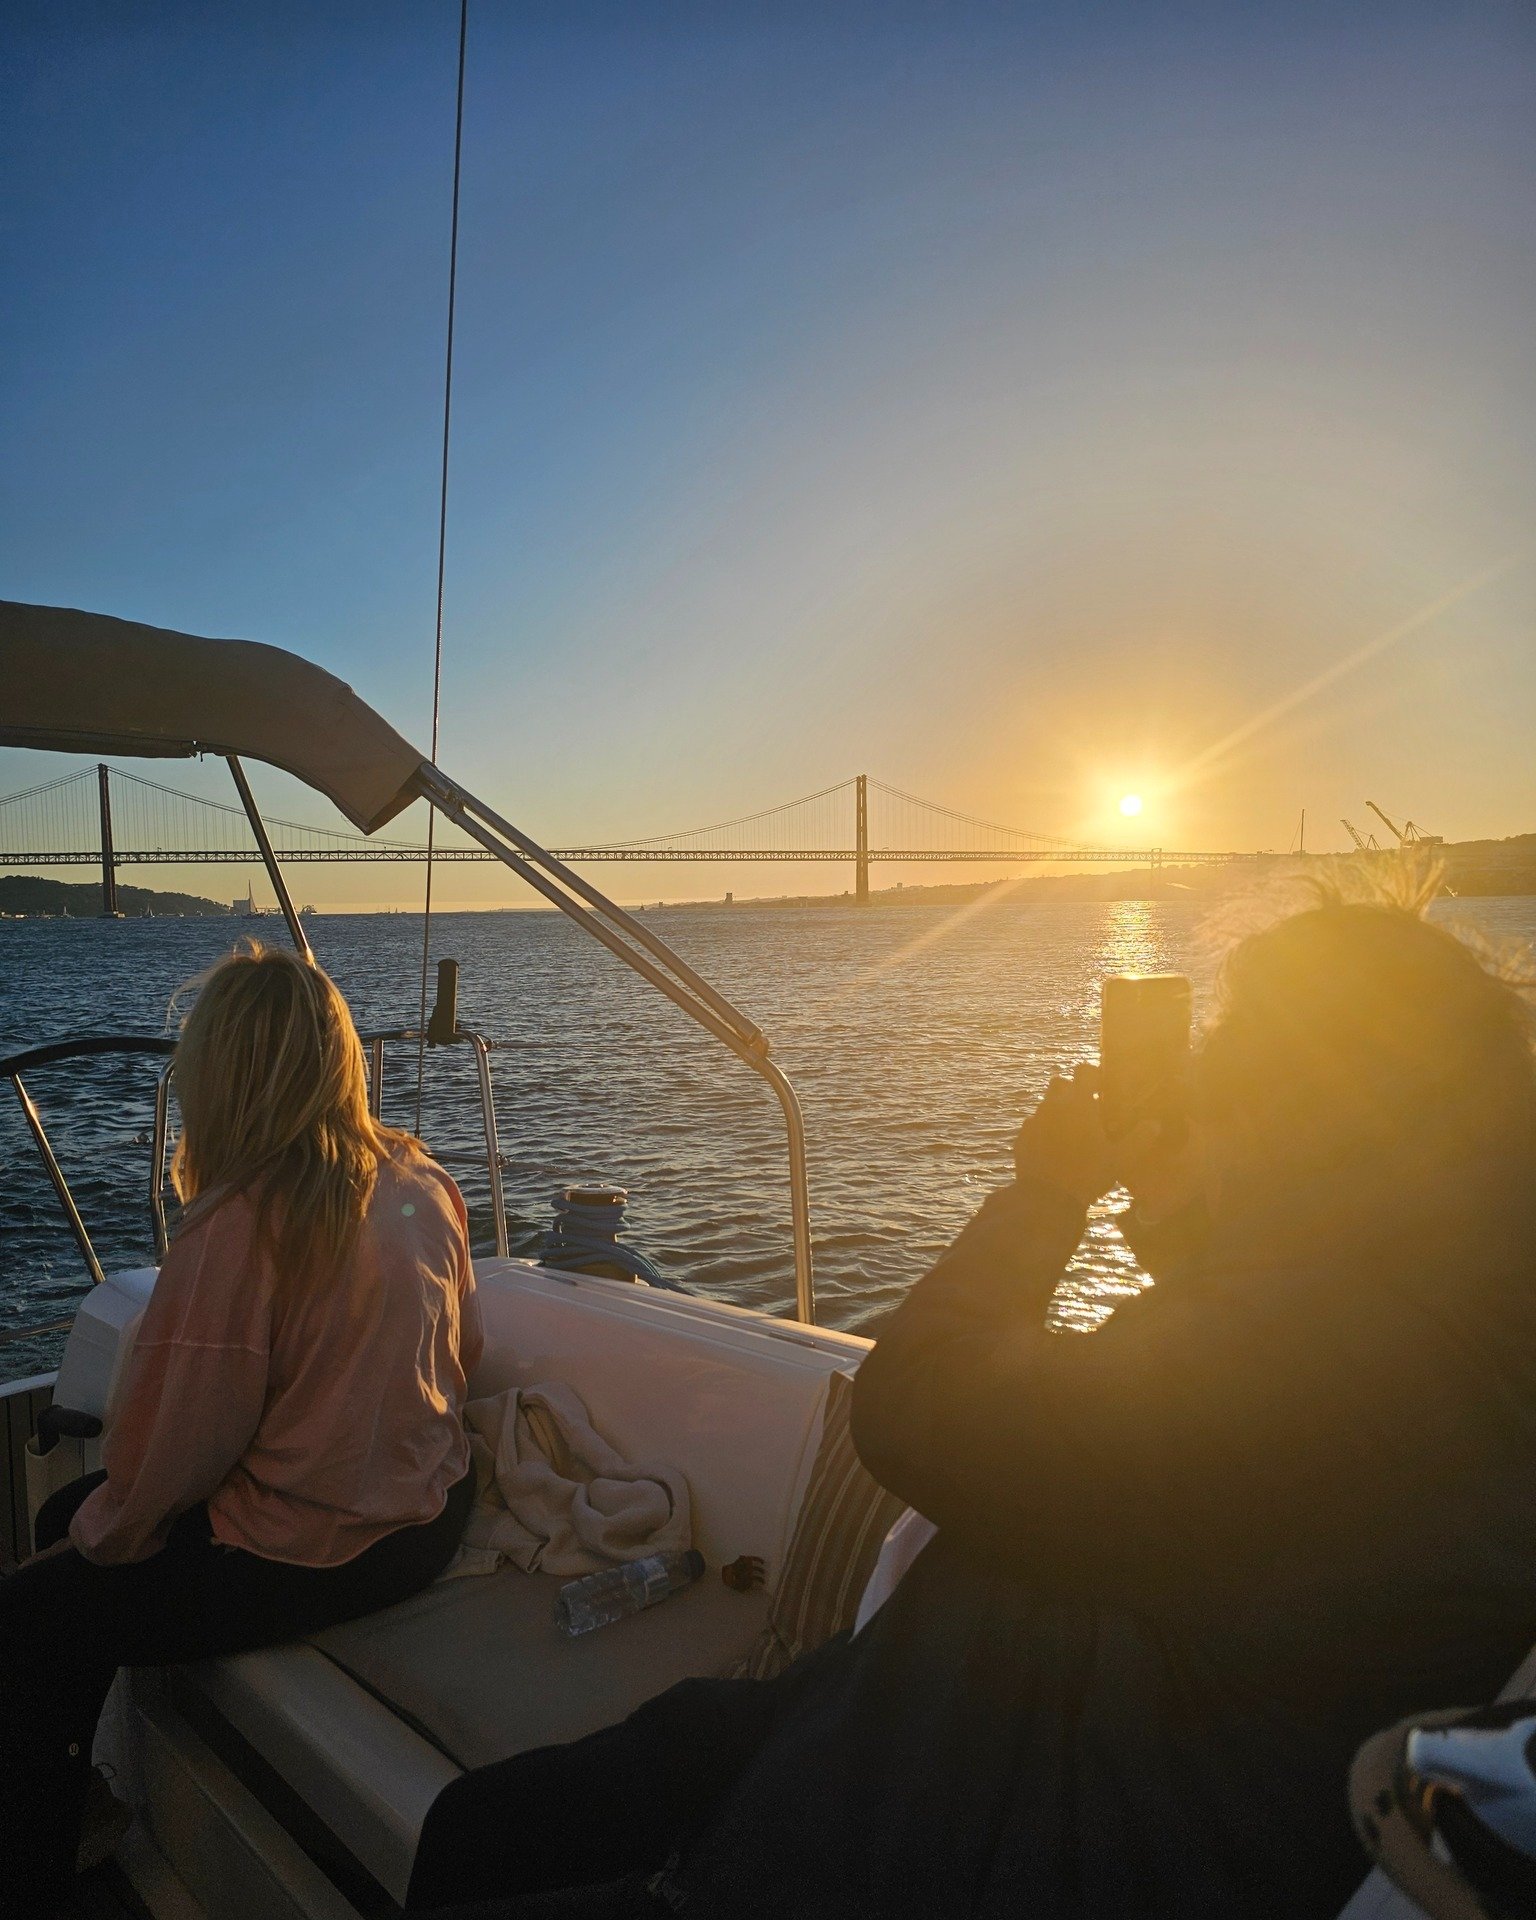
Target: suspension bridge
point(105, 817)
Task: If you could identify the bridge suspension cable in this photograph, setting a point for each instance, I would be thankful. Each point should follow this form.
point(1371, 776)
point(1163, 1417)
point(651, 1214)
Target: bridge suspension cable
point(819, 826)
point(61, 816)
point(57, 815)
point(1008, 840)
point(155, 821)
point(853, 822)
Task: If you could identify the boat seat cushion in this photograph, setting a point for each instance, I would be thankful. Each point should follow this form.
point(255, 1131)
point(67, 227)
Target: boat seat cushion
point(842, 1525)
point(478, 1667)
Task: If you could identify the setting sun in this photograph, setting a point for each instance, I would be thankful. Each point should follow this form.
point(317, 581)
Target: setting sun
point(1131, 805)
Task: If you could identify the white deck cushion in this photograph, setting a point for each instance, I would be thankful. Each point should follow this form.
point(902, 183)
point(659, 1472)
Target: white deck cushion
point(478, 1666)
point(353, 1762)
point(475, 1667)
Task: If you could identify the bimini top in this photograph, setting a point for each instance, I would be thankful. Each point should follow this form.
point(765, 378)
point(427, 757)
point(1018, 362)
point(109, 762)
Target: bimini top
point(86, 683)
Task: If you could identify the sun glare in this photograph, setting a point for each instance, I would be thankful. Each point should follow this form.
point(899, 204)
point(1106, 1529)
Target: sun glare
point(1131, 805)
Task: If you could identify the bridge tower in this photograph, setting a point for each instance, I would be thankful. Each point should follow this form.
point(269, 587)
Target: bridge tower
point(108, 863)
point(861, 841)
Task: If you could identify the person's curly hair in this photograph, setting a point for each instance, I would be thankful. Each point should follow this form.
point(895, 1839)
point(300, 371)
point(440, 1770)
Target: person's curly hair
point(1356, 1031)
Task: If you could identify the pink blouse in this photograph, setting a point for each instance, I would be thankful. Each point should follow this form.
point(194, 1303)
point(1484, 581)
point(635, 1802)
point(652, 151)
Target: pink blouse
point(313, 1431)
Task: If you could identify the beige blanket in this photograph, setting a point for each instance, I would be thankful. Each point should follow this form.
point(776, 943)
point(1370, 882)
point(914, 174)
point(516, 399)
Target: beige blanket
point(554, 1497)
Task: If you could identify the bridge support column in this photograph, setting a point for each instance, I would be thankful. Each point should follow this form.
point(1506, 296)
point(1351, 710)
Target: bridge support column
point(861, 842)
point(108, 862)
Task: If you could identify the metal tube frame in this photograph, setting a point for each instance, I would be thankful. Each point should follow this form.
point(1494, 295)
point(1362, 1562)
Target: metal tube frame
point(161, 1133)
point(492, 1141)
point(376, 1076)
point(624, 937)
point(60, 1185)
point(13, 1336)
point(88, 1048)
point(268, 857)
point(375, 1042)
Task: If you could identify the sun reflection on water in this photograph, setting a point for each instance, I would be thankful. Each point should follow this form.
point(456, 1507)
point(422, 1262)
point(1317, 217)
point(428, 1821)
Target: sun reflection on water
point(1131, 943)
point(1134, 938)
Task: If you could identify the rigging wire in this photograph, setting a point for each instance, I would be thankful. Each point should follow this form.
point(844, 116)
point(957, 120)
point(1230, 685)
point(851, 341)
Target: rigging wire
point(442, 550)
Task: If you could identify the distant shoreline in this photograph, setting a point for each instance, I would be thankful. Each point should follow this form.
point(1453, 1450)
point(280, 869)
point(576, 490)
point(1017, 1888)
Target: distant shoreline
point(1475, 869)
point(32, 896)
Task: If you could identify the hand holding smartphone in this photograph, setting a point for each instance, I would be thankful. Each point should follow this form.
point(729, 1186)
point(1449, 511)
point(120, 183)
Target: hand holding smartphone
point(1143, 1049)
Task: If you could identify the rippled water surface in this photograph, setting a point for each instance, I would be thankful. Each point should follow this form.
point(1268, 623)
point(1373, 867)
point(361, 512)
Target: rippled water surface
point(916, 1036)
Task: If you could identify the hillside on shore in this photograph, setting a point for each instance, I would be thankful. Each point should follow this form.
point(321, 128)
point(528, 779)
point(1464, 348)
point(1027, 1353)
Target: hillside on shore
point(26, 893)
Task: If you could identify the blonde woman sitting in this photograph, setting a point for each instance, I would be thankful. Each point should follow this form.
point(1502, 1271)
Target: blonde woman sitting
point(287, 1451)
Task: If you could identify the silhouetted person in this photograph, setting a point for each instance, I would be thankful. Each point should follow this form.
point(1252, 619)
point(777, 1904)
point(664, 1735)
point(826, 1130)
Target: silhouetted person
point(1186, 1563)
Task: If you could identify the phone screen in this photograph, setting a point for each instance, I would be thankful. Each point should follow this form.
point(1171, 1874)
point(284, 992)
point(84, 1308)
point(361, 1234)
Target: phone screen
point(1143, 1048)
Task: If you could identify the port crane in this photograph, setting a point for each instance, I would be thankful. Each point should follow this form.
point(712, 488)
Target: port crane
point(1407, 835)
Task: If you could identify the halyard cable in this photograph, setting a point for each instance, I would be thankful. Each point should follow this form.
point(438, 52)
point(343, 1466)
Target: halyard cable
point(442, 551)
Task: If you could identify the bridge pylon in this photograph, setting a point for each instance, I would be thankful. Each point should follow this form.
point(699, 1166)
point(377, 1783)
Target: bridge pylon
point(861, 841)
point(108, 861)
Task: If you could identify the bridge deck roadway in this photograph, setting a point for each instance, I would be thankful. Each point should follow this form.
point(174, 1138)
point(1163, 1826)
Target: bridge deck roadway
point(339, 856)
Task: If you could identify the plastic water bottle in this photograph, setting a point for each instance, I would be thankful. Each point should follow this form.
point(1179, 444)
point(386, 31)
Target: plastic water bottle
point(597, 1599)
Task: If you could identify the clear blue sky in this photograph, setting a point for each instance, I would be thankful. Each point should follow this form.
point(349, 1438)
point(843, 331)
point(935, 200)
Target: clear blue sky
point(1011, 401)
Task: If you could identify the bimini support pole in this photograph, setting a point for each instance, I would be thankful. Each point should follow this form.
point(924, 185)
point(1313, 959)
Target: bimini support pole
point(268, 857)
point(639, 948)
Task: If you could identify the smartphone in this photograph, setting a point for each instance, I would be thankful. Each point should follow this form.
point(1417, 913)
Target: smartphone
point(1143, 1048)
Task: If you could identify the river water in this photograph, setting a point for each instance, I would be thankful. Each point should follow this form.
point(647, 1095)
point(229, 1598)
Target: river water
point(916, 1036)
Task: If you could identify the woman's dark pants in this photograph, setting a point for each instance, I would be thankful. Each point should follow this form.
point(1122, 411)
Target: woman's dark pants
point(67, 1625)
point(578, 1832)
point(528, 1832)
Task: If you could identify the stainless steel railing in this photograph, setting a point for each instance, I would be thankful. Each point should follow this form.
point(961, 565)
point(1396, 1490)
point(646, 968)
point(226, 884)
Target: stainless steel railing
point(90, 1046)
point(639, 948)
point(375, 1044)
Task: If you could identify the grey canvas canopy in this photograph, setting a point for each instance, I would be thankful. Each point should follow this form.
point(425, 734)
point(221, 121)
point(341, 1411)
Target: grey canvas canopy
point(87, 683)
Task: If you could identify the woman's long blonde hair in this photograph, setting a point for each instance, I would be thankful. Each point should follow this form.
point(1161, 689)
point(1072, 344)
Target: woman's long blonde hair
point(274, 1105)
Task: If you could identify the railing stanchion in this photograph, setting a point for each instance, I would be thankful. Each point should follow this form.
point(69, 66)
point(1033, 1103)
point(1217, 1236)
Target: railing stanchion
point(157, 1169)
point(88, 1047)
point(492, 1141)
point(60, 1185)
point(376, 1077)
